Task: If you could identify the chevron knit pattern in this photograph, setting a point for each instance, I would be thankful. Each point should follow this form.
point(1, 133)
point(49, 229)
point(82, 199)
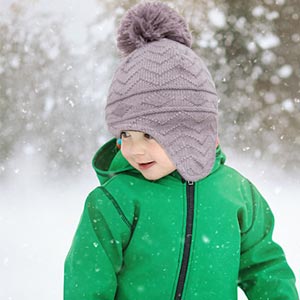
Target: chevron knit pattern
point(165, 90)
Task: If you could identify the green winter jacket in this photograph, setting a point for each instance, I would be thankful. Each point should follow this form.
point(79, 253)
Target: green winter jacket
point(171, 239)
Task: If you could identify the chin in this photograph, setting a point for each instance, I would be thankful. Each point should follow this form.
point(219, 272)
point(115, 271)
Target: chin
point(149, 177)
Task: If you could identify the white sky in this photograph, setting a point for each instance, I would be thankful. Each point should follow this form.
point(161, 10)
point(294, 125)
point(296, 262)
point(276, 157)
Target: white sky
point(76, 13)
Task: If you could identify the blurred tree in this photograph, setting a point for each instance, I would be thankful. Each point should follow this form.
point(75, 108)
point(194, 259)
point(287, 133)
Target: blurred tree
point(257, 76)
point(42, 94)
point(9, 62)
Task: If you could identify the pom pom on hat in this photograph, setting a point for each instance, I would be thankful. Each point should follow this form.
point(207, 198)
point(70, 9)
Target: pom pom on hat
point(148, 22)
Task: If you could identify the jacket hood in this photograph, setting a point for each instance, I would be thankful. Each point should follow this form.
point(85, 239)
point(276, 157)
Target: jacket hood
point(109, 161)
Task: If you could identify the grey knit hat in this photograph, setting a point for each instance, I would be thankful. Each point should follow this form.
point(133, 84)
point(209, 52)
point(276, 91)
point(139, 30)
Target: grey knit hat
point(164, 89)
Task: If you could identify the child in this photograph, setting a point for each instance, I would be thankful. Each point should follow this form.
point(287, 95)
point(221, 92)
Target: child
point(170, 220)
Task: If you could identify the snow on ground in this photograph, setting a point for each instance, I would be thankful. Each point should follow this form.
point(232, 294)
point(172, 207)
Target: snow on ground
point(38, 219)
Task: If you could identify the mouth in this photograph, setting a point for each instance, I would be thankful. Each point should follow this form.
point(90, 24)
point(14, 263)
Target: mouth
point(145, 166)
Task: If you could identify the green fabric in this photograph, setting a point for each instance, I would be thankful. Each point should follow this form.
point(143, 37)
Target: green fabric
point(129, 242)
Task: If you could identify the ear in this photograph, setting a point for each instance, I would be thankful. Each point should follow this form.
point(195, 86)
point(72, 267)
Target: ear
point(217, 142)
point(119, 143)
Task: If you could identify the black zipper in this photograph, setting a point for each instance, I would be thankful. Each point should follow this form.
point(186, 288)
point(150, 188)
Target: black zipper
point(190, 193)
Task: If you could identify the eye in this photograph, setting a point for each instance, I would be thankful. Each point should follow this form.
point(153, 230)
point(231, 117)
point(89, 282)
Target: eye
point(124, 134)
point(148, 136)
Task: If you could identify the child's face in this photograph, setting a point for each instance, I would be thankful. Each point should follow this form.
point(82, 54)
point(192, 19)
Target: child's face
point(146, 155)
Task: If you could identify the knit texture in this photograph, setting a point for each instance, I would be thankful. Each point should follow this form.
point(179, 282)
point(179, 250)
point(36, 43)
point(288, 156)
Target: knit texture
point(164, 89)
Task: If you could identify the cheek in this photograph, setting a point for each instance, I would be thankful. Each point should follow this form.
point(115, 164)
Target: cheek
point(160, 154)
point(168, 162)
point(125, 151)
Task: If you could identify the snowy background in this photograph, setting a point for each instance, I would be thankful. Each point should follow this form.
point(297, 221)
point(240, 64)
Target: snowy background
point(56, 59)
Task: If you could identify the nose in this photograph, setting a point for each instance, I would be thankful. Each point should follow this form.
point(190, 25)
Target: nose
point(138, 147)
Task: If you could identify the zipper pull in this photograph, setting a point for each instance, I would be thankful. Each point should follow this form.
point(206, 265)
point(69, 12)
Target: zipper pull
point(190, 182)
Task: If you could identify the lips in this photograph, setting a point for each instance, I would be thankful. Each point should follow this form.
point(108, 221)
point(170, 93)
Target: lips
point(145, 166)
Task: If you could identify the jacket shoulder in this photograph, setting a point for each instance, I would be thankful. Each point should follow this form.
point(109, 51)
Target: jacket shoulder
point(102, 205)
point(230, 177)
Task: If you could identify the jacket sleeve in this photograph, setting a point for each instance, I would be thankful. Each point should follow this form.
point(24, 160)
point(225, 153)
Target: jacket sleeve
point(95, 257)
point(264, 272)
